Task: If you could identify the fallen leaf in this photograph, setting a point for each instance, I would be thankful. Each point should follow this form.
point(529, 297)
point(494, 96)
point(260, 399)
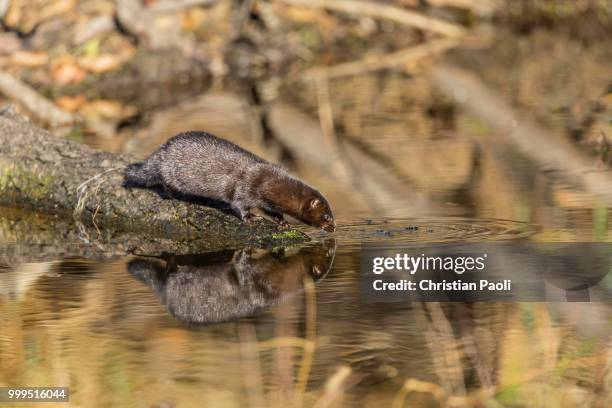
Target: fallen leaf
point(303, 14)
point(101, 63)
point(29, 58)
point(88, 29)
point(56, 8)
point(193, 19)
point(92, 48)
point(13, 16)
point(71, 103)
point(67, 71)
point(101, 108)
point(9, 43)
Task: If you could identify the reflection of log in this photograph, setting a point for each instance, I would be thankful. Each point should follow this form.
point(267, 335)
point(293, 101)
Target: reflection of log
point(59, 177)
point(546, 149)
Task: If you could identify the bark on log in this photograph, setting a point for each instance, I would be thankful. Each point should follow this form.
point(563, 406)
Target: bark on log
point(55, 176)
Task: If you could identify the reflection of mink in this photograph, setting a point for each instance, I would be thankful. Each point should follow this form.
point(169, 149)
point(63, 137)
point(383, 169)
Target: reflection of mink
point(200, 292)
point(204, 295)
point(203, 165)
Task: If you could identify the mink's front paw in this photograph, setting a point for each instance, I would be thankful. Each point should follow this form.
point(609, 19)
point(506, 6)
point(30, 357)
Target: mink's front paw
point(277, 218)
point(282, 223)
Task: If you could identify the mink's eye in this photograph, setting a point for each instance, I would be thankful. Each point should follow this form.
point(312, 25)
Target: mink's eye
point(327, 217)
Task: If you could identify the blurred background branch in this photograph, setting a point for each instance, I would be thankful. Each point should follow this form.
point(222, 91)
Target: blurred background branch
point(371, 9)
point(4, 5)
point(44, 109)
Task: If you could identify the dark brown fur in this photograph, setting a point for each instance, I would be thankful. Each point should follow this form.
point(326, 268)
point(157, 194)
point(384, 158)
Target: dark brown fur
point(200, 164)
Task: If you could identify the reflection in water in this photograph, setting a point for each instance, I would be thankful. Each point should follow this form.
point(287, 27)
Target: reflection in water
point(224, 286)
point(93, 326)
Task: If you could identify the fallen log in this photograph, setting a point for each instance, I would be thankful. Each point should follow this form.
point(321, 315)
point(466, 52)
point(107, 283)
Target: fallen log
point(46, 174)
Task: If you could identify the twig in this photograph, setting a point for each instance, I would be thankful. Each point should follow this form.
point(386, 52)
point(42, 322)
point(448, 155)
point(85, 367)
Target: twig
point(376, 62)
point(326, 118)
point(93, 27)
point(251, 360)
point(34, 102)
point(478, 7)
point(309, 347)
point(4, 6)
point(413, 385)
point(334, 387)
point(170, 6)
point(370, 9)
point(464, 4)
point(453, 354)
point(140, 21)
point(447, 355)
point(284, 353)
point(83, 194)
point(286, 342)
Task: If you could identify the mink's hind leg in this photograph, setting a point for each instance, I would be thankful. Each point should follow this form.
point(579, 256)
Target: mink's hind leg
point(166, 192)
point(242, 212)
point(245, 214)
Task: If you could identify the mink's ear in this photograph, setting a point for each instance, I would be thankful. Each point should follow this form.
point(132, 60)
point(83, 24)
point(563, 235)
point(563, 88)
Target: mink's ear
point(314, 202)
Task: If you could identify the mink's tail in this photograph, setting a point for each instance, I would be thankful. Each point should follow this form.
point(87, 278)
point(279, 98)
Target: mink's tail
point(141, 174)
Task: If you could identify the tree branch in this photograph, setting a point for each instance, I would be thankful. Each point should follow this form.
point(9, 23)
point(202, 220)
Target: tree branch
point(35, 103)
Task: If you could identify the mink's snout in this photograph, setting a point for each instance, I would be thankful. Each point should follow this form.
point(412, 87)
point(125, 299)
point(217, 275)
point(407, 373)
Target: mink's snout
point(329, 224)
point(329, 227)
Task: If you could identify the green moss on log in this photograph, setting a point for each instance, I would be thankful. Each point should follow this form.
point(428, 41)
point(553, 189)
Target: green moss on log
point(14, 176)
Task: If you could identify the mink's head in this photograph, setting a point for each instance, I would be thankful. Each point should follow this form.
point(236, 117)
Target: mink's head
point(316, 212)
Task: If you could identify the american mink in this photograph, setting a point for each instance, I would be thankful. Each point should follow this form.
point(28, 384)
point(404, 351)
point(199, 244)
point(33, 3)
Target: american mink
point(203, 165)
